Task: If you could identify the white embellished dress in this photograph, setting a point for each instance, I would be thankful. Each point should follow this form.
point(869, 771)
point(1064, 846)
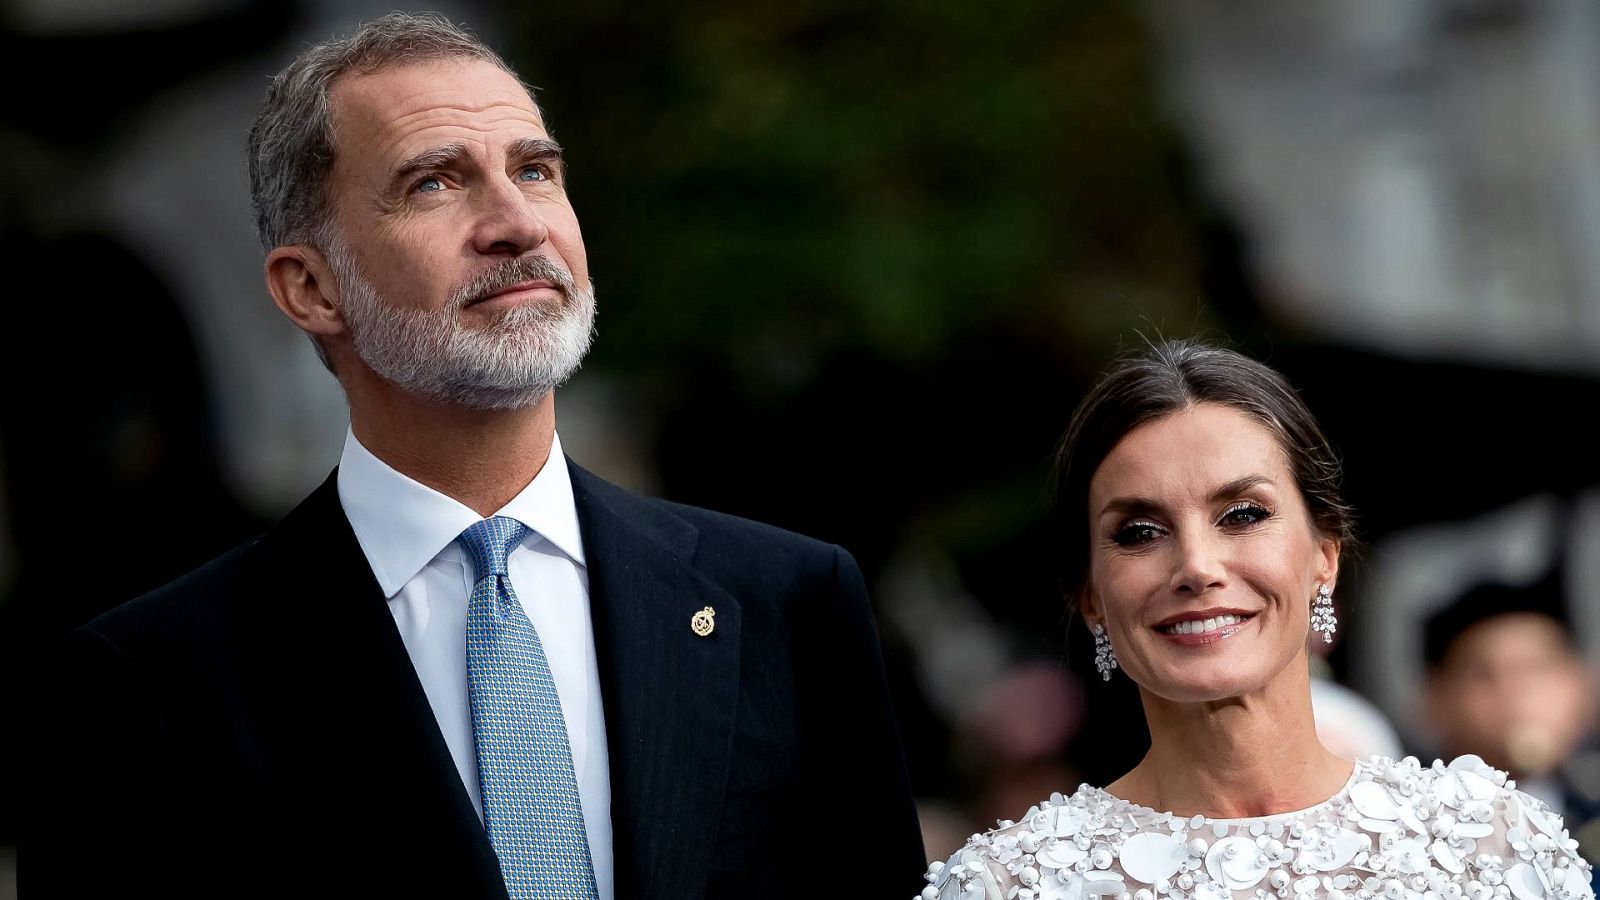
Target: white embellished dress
point(1395, 831)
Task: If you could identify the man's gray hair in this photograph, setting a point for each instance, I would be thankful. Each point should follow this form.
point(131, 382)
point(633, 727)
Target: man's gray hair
point(292, 148)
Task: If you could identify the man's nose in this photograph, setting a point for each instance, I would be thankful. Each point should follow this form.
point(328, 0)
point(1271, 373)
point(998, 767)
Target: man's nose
point(508, 222)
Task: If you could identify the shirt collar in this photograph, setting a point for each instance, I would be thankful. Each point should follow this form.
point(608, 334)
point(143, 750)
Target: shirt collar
point(403, 524)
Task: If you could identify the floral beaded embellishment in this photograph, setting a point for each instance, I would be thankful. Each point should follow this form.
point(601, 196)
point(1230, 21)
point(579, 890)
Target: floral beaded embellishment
point(1397, 831)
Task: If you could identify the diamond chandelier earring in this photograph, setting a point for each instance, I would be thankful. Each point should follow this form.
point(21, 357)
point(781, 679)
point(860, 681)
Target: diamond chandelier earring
point(1322, 616)
point(1105, 658)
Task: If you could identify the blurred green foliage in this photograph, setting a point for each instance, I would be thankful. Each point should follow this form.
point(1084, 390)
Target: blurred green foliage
point(767, 187)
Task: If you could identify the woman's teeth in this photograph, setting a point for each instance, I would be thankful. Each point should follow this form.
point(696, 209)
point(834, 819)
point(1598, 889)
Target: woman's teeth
point(1201, 626)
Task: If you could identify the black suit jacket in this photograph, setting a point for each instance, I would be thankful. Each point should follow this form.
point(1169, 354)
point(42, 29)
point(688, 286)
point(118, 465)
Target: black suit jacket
point(257, 728)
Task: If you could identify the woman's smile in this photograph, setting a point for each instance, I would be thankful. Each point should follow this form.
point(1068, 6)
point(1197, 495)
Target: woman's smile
point(1203, 632)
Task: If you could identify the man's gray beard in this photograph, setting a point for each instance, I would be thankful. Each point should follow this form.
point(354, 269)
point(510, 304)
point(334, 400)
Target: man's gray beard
point(510, 363)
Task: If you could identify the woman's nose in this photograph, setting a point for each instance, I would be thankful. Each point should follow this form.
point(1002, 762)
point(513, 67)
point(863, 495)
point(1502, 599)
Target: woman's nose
point(1199, 568)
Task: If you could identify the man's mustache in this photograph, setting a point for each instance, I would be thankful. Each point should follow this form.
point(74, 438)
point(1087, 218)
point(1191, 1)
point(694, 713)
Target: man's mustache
point(514, 271)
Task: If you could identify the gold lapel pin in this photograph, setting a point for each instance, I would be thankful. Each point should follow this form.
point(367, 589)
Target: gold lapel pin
point(704, 622)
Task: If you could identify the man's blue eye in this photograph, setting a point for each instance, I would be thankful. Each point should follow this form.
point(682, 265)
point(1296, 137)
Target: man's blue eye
point(536, 171)
point(429, 186)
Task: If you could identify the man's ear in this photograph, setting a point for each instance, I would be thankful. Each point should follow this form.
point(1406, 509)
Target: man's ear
point(303, 287)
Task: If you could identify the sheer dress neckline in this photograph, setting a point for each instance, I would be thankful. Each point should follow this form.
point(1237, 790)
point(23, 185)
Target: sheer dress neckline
point(1355, 771)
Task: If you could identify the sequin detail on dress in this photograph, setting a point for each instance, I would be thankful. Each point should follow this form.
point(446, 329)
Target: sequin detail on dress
point(1396, 831)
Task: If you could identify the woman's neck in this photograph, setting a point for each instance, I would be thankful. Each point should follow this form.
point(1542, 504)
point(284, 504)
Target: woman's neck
point(1247, 756)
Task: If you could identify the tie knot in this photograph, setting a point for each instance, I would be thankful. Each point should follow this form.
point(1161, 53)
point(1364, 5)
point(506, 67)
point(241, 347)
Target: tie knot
point(489, 541)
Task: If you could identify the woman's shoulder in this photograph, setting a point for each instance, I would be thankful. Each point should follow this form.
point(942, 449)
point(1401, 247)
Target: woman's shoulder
point(1465, 796)
point(1398, 830)
point(1063, 833)
point(1517, 843)
point(1460, 830)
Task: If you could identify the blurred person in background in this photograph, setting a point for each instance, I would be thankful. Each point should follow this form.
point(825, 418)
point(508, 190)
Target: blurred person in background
point(464, 666)
point(1507, 682)
point(1204, 531)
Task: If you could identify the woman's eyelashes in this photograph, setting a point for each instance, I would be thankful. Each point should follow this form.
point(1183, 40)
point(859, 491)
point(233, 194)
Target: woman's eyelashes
point(1136, 532)
point(1239, 516)
point(1244, 514)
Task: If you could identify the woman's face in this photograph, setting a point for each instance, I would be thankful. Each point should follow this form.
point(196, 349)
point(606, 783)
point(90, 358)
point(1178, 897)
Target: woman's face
point(1196, 525)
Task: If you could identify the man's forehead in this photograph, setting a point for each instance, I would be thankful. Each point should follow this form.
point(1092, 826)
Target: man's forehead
point(382, 110)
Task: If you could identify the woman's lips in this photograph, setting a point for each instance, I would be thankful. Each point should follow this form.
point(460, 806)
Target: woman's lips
point(1204, 638)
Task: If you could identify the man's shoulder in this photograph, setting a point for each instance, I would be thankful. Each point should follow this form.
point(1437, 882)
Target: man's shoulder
point(206, 598)
point(717, 536)
point(181, 612)
point(718, 527)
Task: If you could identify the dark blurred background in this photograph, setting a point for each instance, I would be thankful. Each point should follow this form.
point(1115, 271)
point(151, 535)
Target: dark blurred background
point(855, 265)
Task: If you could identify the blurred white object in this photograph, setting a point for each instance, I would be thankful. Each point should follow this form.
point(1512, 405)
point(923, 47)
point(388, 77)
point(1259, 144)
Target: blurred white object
point(1420, 178)
point(1349, 725)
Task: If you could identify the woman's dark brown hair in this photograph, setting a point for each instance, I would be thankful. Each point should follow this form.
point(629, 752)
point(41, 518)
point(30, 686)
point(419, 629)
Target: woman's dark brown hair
point(1171, 376)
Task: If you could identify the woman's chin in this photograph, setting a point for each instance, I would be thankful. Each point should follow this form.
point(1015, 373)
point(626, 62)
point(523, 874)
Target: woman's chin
point(1228, 665)
point(1205, 683)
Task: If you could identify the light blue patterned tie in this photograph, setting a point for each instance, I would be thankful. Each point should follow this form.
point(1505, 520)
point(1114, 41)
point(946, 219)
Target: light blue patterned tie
point(530, 794)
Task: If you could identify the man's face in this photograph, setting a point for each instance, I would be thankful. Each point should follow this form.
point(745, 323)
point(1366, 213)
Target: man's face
point(1511, 691)
point(460, 266)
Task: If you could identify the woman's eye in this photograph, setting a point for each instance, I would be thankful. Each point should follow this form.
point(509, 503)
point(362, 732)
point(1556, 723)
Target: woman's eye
point(1135, 533)
point(1243, 515)
point(429, 186)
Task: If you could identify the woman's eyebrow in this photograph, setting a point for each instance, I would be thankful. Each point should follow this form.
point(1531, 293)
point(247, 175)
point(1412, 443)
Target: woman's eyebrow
point(1133, 505)
point(1239, 486)
point(1130, 506)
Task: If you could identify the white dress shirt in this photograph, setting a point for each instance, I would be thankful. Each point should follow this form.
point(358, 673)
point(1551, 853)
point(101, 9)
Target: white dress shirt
point(408, 532)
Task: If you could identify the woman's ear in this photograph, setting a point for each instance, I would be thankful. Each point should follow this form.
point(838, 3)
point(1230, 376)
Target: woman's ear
point(1328, 565)
point(1089, 604)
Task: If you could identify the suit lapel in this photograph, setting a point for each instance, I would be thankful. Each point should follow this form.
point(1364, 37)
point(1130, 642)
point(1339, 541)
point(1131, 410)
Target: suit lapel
point(384, 735)
point(669, 693)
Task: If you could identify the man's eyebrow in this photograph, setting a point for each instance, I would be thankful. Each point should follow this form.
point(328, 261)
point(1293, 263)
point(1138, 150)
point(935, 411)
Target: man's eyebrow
point(436, 158)
point(528, 150)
